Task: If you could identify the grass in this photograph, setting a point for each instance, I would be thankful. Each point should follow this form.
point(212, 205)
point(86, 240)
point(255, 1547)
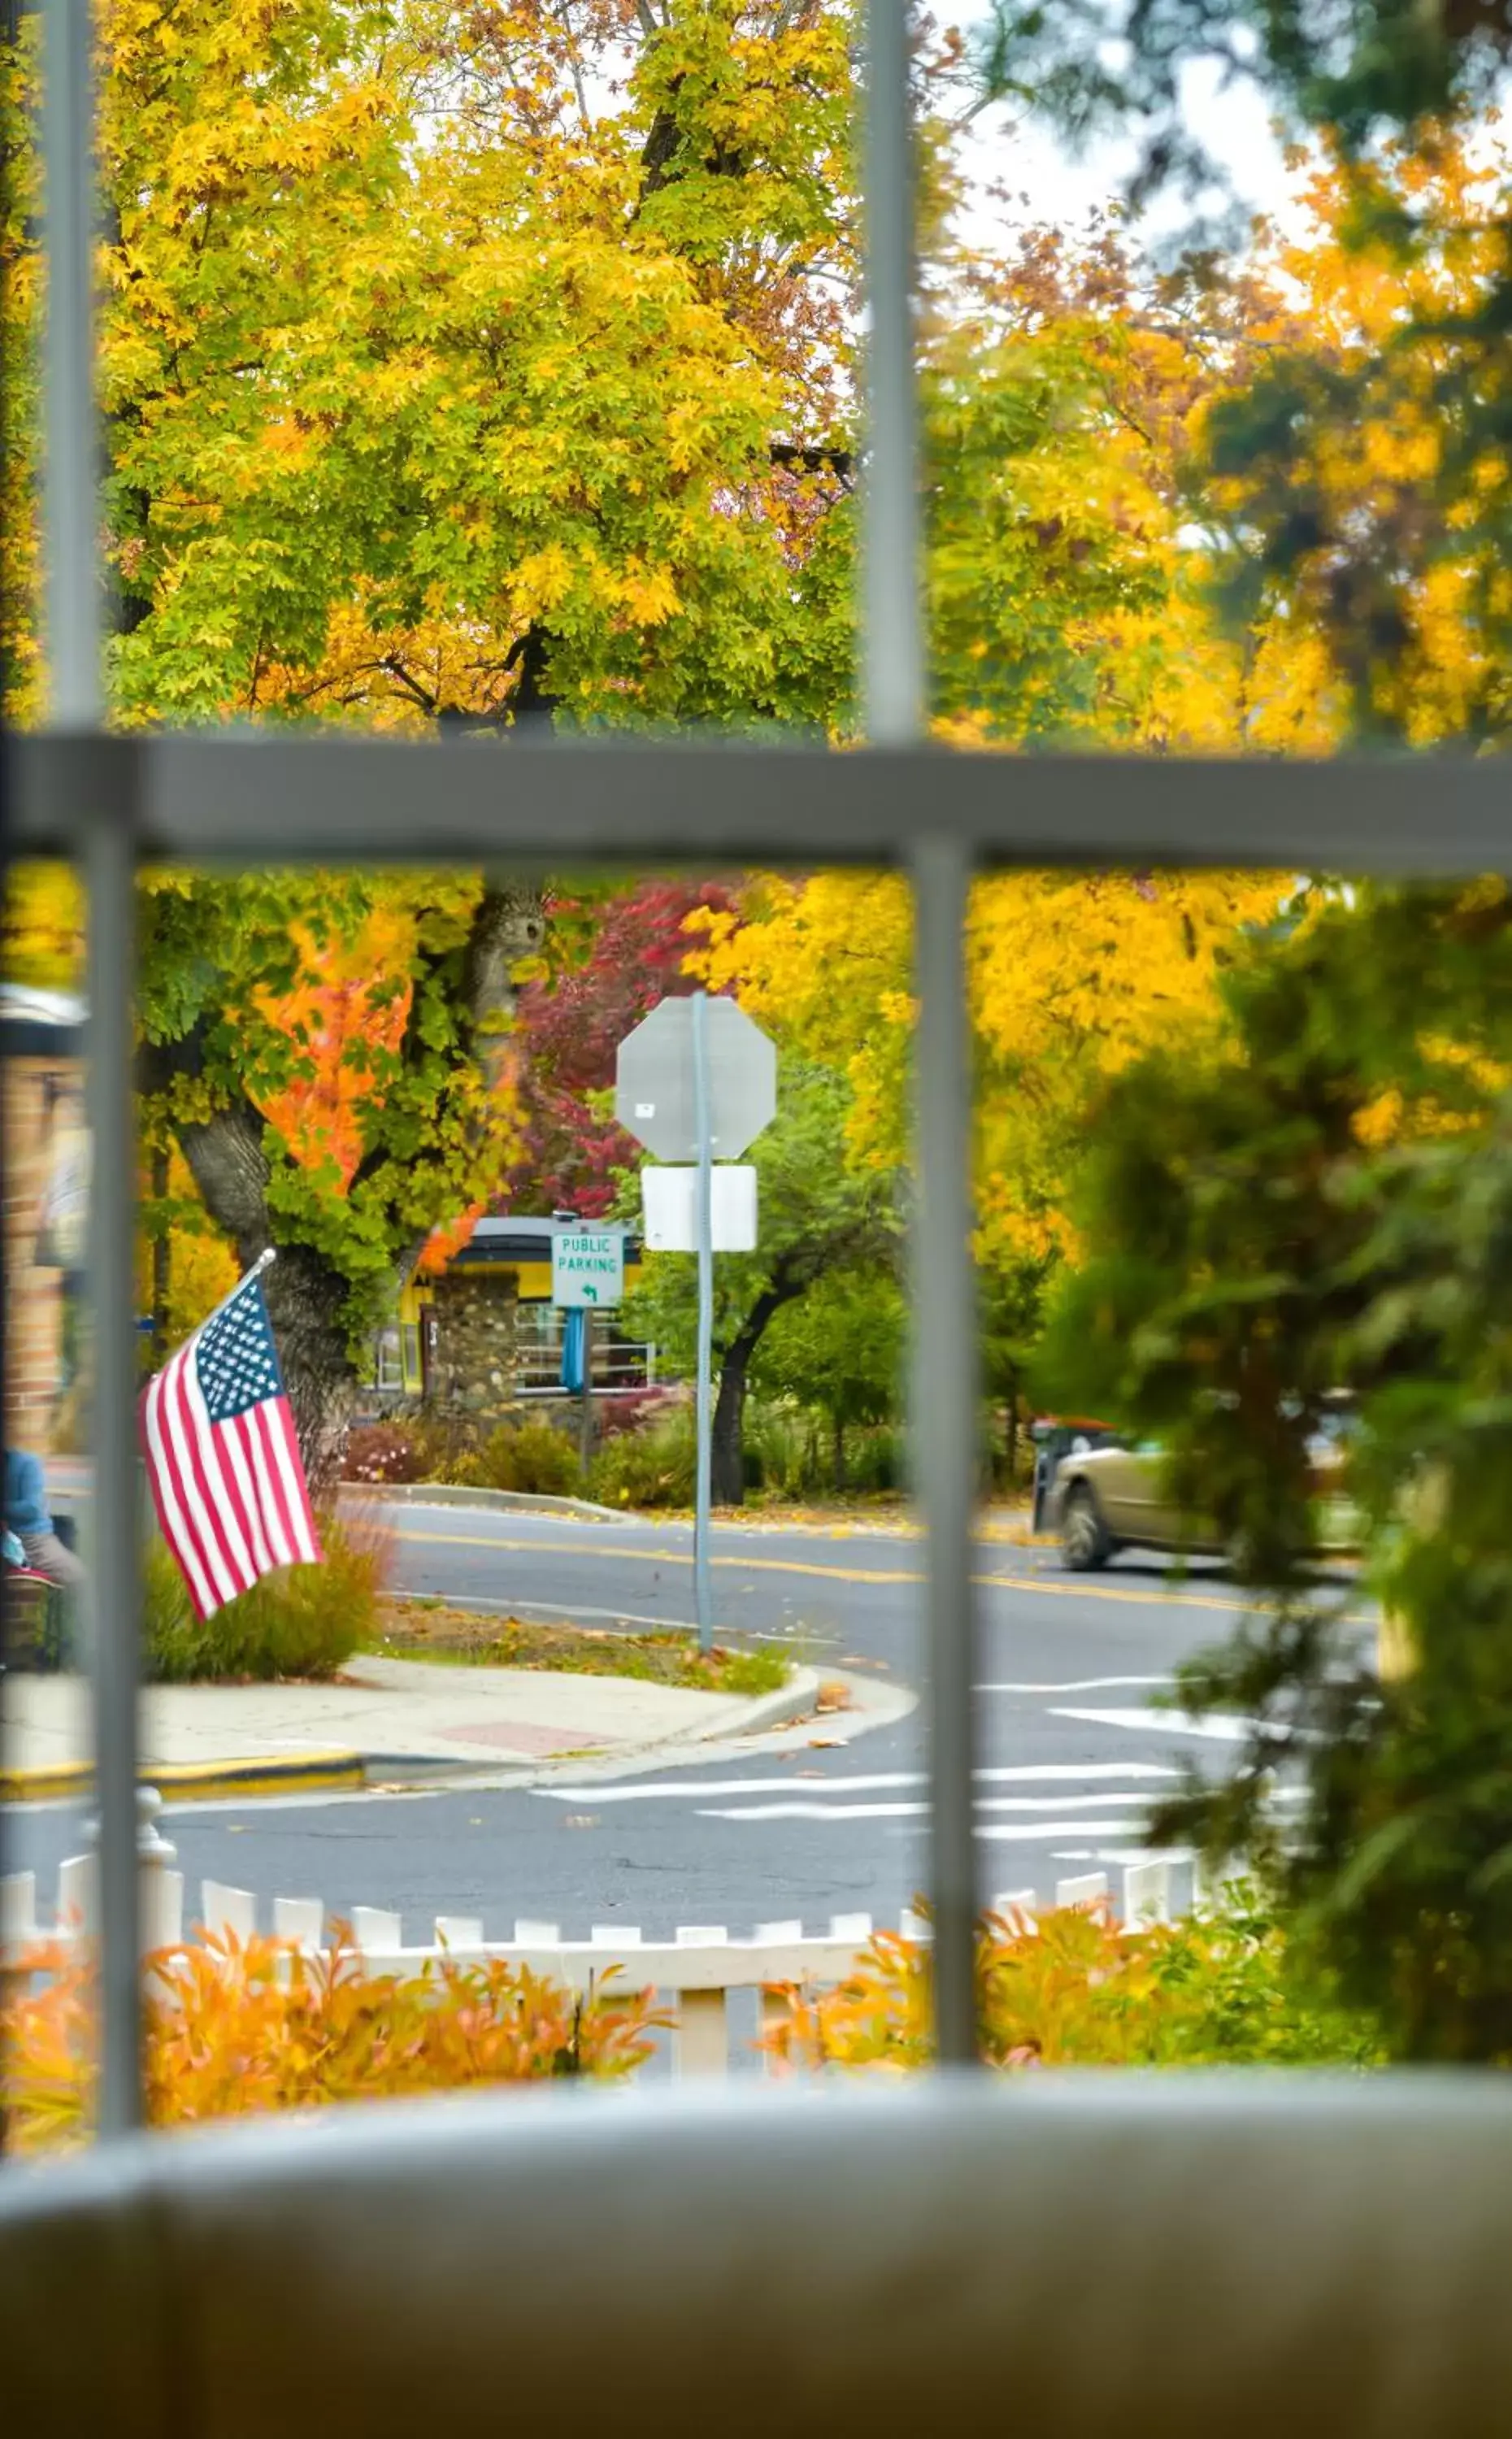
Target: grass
point(429, 1629)
point(298, 1621)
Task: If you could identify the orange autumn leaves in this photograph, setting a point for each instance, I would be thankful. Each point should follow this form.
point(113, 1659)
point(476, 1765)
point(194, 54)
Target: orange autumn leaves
point(233, 2030)
point(348, 1013)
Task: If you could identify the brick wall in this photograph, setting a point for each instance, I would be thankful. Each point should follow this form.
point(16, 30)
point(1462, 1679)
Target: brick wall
point(32, 1111)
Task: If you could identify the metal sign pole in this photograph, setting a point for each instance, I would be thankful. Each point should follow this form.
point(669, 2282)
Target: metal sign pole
point(585, 1413)
point(696, 1075)
point(76, 701)
point(702, 1587)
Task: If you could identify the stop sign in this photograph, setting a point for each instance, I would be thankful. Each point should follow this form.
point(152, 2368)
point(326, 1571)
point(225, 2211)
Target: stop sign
point(654, 1081)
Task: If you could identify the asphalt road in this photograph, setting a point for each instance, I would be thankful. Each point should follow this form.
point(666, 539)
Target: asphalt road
point(1071, 1748)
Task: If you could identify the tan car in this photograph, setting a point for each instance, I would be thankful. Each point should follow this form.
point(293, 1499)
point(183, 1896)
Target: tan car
point(1106, 1498)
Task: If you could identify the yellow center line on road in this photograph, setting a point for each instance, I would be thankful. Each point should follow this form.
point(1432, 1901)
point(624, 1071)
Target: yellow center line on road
point(664, 1557)
point(1138, 1595)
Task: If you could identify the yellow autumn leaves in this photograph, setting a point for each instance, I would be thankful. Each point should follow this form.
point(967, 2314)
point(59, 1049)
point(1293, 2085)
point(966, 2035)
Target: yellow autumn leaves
point(1072, 976)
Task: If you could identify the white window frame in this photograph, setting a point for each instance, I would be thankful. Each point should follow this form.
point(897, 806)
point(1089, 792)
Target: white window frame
point(113, 801)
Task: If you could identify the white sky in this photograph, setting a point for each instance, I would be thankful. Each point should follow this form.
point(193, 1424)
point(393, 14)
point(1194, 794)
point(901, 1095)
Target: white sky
point(1234, 123)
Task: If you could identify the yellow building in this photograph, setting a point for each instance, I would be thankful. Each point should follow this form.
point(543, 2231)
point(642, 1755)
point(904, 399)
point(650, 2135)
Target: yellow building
point(483, 1334)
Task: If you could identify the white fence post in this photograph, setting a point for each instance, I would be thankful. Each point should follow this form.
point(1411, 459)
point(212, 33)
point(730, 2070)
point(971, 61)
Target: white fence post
point(299, 1919)
point(1017, 1907)
point(774, 2007)
point(228, 1912)
point(18, 1910)
point(702, 2019)
point(79, 1895)
point(1147, 1892)
point(1213, 1885)
point(1086, 1888)
point(160, 1889)
point(703, 2033)
point(376, 1930)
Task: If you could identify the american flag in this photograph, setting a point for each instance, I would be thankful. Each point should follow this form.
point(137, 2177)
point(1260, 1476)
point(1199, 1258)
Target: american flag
point(222, 1456)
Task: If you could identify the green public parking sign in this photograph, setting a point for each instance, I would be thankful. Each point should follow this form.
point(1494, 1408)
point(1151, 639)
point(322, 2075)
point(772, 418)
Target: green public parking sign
point(587, 1267)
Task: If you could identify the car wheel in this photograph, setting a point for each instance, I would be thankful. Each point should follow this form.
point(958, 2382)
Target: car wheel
point(1085, 1541)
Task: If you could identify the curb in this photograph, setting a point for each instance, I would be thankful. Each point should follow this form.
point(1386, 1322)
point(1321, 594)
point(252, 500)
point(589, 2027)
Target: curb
point(457, 1494)
point(788, 1707)
point(178, 1782)
point(341, 1769)
point(797, 1699)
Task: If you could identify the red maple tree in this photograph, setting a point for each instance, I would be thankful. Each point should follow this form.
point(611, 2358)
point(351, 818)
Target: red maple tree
point(571, 1024)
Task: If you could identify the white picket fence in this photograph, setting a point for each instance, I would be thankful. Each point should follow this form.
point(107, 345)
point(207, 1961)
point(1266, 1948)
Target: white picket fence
point(696, 1968)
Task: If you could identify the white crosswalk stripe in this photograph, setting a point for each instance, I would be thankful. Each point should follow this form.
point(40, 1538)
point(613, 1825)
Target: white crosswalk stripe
point(1217, 1727)
point(692, 1789)
point(1050, 1828)
point(820, 1811)
point(1072, 1685)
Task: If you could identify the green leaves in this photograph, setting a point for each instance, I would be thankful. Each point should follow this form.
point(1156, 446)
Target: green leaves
point(1329, 1206)
point(840, 1348)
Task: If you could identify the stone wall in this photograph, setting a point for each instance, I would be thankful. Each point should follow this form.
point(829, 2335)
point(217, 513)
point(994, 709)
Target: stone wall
point(476, 1362)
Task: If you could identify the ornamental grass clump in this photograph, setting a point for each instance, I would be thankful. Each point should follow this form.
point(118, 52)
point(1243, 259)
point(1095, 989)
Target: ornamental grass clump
point(301, 1621)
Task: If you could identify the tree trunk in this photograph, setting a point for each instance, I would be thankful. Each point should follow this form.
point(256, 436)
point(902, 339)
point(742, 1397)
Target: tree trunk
point(727, 1454)
point(306, 1294)
point(162, 1260)
point(838, 1430)
point(306, 1301)
point(727, 1484)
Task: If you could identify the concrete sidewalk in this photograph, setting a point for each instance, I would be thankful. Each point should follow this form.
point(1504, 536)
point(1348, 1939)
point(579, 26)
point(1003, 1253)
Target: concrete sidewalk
point(381, 1719)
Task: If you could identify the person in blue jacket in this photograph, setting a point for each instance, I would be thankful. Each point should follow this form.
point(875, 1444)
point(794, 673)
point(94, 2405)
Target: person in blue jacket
point(28, 1517)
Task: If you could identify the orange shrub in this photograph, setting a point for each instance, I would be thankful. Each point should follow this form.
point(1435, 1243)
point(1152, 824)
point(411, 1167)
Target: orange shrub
point(1076, 1989)
point(235, 2029)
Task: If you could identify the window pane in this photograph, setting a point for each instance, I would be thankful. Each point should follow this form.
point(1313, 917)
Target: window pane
point(487, 1708)
point(1236, 1183)
point(49, 1862)
point(1209, 388)
point(528, 401)
point(1249, 1213)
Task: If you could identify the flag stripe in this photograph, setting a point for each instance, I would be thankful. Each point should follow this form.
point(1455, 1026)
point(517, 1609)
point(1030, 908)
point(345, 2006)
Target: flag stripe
point(198, 1496)
point(165, 1499)
point(273, 1452)
point(218, 1490)
point(278, 1537)
point(181, 1481)
point(222, 1455)
point(233, 1513)
point(235, 1435)
point(281, 1429)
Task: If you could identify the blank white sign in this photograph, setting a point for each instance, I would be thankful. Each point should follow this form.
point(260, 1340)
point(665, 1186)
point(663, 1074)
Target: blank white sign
point(670, 1204)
